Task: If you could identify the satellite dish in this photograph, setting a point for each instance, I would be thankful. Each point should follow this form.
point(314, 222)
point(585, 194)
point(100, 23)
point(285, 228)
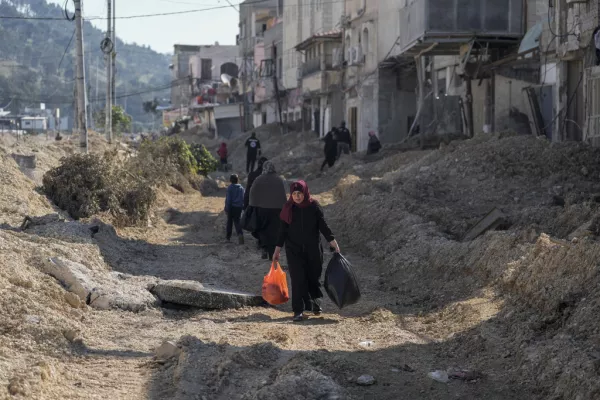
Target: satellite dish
point(229, 80)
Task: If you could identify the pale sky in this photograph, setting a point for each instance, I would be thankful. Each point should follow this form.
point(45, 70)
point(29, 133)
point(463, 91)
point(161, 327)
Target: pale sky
point(162, 32)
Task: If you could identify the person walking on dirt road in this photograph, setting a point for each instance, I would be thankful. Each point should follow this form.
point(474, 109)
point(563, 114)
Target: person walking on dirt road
point(267, 197)
point(330, 149)
point(253, 145)
point(251, 178)
point(344, 140)
point(234, 203)
point(222, 152)
point(374, 143)
point(302, 222)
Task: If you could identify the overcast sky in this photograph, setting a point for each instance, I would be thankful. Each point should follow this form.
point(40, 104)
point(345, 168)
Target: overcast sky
point(162, 32)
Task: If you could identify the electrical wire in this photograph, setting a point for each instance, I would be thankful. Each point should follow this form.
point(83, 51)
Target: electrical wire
point(67, 16)
point(66, 49)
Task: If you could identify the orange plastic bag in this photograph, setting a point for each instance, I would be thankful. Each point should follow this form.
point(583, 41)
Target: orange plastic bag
point(275, 289)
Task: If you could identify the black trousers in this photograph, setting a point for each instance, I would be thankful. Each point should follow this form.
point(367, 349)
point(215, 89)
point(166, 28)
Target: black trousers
point(250, 162)
point(233, 218)
point(305, 272)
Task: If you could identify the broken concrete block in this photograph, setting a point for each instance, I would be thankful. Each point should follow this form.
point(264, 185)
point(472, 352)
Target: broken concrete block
point(25, 161)
point(495, 219)
point(167, 350)
point(194, 294)
point(99, 289)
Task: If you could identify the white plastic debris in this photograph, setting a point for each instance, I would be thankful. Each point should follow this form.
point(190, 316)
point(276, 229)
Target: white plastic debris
point(439, 375)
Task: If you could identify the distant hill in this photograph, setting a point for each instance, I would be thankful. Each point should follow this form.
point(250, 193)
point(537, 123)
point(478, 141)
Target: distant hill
point(33, 69)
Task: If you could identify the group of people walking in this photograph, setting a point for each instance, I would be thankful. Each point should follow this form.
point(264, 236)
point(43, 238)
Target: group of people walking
point(295, 223)
point(278, 221)
point(339, 140)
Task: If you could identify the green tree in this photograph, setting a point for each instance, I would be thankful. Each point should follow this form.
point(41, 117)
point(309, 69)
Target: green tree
point(121, 122)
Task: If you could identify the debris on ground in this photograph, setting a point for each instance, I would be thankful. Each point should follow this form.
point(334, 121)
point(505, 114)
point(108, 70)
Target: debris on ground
point(365, 380)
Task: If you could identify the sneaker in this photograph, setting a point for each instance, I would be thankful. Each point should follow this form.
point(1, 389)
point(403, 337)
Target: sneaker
point(241, 239)
point(298, 317)
point(316, 309)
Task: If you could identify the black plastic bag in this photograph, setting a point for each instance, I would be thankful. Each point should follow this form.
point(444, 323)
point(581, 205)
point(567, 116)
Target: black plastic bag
point(249, 220)
point(340, 282)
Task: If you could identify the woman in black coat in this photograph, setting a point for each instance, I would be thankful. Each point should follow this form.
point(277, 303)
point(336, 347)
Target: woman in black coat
point(302, 223)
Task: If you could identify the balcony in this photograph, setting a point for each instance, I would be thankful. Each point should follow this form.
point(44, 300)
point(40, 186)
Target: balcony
point(450, 23)
point(311, 66)
point(321, 82)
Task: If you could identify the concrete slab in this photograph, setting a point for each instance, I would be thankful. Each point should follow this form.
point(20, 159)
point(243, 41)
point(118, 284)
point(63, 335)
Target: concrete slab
point(194, 294)
point(493, 220)
point(99, 289)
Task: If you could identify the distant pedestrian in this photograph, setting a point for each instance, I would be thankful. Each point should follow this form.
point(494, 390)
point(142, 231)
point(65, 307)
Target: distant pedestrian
point(222, 152)
point(253, 146)
point(330, 149)
point(267, 197)
point(302, 223)
point(374, 143)
point(344, 140)
point(234, 203)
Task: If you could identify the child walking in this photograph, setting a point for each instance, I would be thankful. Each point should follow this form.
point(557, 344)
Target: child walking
point(234, 204)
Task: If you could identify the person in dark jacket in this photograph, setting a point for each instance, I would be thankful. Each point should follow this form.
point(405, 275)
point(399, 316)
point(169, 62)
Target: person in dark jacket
point(374, 143)
point(251, 178)
point(330, 149)
point(344, 140)
point(302, 223)
point(234, 203)
point(267, 198)
point(253, 145)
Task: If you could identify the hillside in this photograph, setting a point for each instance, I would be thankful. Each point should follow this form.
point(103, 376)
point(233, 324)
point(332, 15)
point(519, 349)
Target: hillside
point(33, 70)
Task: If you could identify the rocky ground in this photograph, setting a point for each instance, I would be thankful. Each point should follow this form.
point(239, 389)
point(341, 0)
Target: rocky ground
point(509, 315)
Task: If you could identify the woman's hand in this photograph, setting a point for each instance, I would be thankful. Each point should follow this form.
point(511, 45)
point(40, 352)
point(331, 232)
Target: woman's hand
point(334, 245)
point(277, 254)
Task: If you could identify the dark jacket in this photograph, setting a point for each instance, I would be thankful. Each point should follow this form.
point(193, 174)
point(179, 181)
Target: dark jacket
point(302, 235)
point(253, 145)
point(343, 136)
point(330, 145)
point(268, 191)
point(374, 145)
point(234, 197)
point(251, 178)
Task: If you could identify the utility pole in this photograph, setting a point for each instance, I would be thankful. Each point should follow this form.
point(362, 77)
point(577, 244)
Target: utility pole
point(244, 94)
point(275, 72)
point(108, 112)
point(114, 52)
point(81, 108)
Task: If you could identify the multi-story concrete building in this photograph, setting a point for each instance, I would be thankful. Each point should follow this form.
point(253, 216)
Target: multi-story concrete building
point(181, 88)
point(254, 20)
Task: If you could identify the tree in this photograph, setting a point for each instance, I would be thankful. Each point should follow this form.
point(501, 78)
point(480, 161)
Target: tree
point(121, 122)
point(150, 106)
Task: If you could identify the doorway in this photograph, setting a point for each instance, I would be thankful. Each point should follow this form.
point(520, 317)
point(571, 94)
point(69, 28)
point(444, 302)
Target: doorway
point(317, 116)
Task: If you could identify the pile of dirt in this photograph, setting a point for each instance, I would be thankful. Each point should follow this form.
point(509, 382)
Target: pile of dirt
point(18, 197)
point(411, 220)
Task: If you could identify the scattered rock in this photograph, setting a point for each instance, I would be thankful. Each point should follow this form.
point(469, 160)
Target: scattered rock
point(72, 299)
point(439, 376)
point(365, 380)
point(70, 335)
point(167, 350)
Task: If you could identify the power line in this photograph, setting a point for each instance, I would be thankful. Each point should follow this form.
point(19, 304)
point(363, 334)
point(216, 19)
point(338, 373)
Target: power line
point(66, 49)
point(246, 3)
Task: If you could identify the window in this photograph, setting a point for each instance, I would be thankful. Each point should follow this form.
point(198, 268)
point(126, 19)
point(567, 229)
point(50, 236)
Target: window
point(206, 73)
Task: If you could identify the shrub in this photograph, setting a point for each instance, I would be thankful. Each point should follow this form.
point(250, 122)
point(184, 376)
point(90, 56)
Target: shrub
point(170, 150)
point(205, 161)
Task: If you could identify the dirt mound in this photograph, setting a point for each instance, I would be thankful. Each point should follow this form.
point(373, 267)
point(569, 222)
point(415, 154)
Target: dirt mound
point(256, 372)
point(17, 195)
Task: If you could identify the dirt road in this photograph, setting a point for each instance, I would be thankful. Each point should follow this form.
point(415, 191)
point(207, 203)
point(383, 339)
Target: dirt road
point(253, 353)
